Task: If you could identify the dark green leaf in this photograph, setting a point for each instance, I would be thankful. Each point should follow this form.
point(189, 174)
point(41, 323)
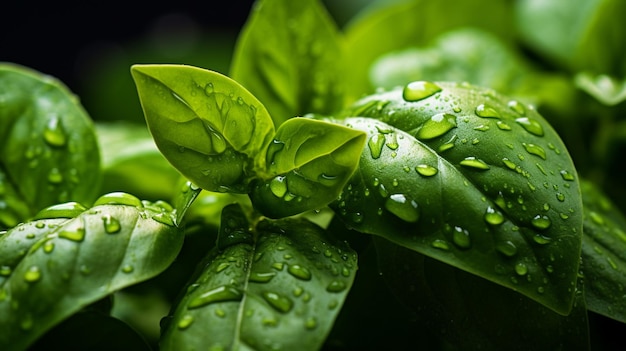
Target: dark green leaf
point(289, 55)
point(209, 127)
point(48, 149)
point(65, 264)
point(604, 254)
point(472, 313)
point(309, 162)
point(183, 200)
point(496, 195)
point(603, 88)
point(279, 289)
point(580, 34)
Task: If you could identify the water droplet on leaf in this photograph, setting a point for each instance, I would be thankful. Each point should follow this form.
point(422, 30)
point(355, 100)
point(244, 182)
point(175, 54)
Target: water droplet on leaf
point(436, 126)
point(403, 207)
point(419, 90)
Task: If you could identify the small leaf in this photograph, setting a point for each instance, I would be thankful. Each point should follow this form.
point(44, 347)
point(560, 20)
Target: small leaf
point(48, 148)
point(289, 55)
point(473, 179)
point(281, 290)
point(603, 254)
point(309, 162)
point(209, 127)
point(603, 88)
point(53, 267)
point(184, 199)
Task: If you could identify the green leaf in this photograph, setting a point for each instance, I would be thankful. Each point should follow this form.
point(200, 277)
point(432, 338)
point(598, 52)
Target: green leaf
point(48, 149)
point(472, 313)
point(289, 55)
point(603, 88)
point(132, 163)
point(603, 254)
point(54, 266)
point(402, 24)
point(496, 195)
point(207, 126)
point(582, 34)
point(309, 162)
point(279, 289)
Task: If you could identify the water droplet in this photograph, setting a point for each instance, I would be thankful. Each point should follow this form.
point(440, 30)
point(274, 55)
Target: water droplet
point(261, 277)
point(376, 144)
point(517, 107)
point(503, 126)
point(486, 111)
point(482, 128)
point(531, 125)
point(403, 207)
point(55, 176)
point(128, 268)
point(461, 238)
point(509, 163)
point(541, 222)
point(426, 170)
point(278, 265)
point(535, 150)
point(521, 269)
point(436, 126)
point(310, 323)
point(185, 322)
point(220, 294)
point(473, 162)
point(280, 303)
point(118, 198)
point(419, 90)
point(392, 142)
point(32, 275)
point(54, 133)
point(440, 244)
point(278, 186)
point(493, 217)
point(48, 247)
point(164, 218)
point(507, 248)
point(299, 272)
point(77, 235)
point(111, 224)
point(567, 175)
point(560, 197)
point(64, 210)
point(336, 286)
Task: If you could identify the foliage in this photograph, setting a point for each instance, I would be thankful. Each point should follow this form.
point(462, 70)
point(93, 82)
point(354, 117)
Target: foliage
point(450, 179)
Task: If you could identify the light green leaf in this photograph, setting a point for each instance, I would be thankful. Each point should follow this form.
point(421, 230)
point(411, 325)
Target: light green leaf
point(48, 149)
point(473, 179)
point(281, 288)
point(603, 254)
point(53, 266)
point(289, 55)
point(207, 126)
point(603, 88)
point(309, 162)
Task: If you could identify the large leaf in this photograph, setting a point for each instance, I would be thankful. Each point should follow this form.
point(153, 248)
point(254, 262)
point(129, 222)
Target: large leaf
point(289, 55)
point(604, 254)
point(277, 287)
point(209, 127)
point(468, 177)
point(309, 162)
point(48, 149)
point(66, 263)
point(580, 34)
point(472, 313)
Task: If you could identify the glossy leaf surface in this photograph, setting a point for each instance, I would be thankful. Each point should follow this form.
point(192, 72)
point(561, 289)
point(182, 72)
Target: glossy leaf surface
point(604, 254)
point(309, 162)
point(48, 149)
point(295, 70)
point(209, 127)
point(278, 287)
point(473, 179)
point(54, 266)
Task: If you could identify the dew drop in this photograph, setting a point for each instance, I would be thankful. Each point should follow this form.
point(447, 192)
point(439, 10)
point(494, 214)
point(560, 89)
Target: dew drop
point(486, 111)
point(185, 322)
point(118, 198)
point(77, 235)
point(426, 170)
point(503, 126)
point(278, 302)
point(128, 269)
point(376, 144)
point(440, 244)
point(299, 272)
point(64, 210)
point(535, 150)
point(567, 175)
point(55, 176)
point(48, 247)
point(509, 163)
point(403, 207)
point(436, 126)
point(32, 275)
point(507, 248)
point(461, 238)
point(517, 107)
point(336, 286)
point(220, 294)
point(493, 216)
point(473, 162)
point(419, 90)
point(164, 218)
point(541, 222)
point(278, 186)
point(310, 323)
point(531, 125)
point(54, 133)
point(111, 224)
point(521, 269)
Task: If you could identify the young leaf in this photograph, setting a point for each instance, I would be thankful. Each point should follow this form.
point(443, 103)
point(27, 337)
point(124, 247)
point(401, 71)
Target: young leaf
point(472, 313)
point(606, 89)
point(473, 179)
point(289, 55)
point(65, 264)
point(309, 162)
point(48, 149)
point(207, 126)
point(279, 289)
point(603, 254)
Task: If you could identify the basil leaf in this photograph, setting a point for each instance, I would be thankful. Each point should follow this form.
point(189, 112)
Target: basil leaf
point(583, 38)
point(66, 264)
point(473, 179)
point(606, 89)
point(281, 288)
point(48, 149)
point(206, 125)
point(472, 313)
point(294, 70)
point(603, 254)
point(309, 162)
